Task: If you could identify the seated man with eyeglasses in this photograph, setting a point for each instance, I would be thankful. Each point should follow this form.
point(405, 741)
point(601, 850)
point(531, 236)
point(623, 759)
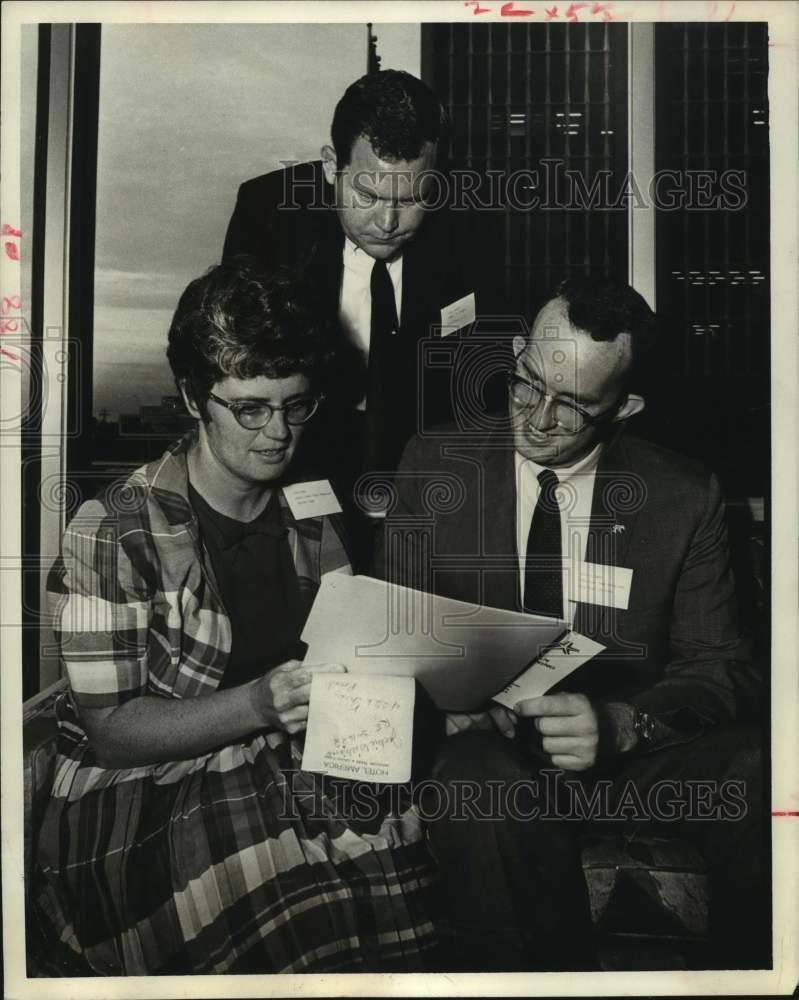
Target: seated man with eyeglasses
point(181, 836)
point(667, 706)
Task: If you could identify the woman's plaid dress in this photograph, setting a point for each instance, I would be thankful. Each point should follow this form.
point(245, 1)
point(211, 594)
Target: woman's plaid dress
point(213, 864)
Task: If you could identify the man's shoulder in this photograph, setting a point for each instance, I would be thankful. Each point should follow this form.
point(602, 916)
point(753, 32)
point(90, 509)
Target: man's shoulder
point(293, 184)
point(671, 480)
point(650, 459)
point(452, 441)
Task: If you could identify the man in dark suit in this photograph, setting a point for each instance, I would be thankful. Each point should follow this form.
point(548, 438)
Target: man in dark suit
point(372, 228)
point(550, 490)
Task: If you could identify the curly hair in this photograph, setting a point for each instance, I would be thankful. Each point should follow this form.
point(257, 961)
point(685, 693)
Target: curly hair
point(238, 321)
point(394, 110)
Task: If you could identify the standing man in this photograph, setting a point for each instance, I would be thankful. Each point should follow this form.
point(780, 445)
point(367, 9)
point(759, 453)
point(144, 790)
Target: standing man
point(673, 697)
point(370, 226)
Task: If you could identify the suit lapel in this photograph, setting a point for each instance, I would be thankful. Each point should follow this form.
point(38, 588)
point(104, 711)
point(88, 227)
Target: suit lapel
point(329, 252)
point(499, 524)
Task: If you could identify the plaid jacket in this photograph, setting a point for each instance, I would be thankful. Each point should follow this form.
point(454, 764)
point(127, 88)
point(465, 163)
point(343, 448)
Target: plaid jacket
point(135, 605)
point(231, 861)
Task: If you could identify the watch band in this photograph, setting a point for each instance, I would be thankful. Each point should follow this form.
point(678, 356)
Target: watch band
point(644, 726)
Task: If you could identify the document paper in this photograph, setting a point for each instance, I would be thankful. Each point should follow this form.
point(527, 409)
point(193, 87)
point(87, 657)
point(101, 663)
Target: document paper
point(360, 727)
point(564, 657)
point(461, 653)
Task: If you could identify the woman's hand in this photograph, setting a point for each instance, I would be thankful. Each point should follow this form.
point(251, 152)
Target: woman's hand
point(280, 698)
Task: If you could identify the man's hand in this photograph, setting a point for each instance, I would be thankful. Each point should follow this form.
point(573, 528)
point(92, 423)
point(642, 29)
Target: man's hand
point(569, 726)
point(495, 717)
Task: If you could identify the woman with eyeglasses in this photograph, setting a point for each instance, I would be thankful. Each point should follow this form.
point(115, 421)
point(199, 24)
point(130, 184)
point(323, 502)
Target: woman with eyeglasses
point(181, 835)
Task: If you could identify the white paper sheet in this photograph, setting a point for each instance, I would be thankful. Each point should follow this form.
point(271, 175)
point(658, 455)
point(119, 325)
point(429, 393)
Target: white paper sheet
point(593, 583)
point(360, 726)
point(311, 499)
point(458, 314)
point(461, 653)
point(569, 653)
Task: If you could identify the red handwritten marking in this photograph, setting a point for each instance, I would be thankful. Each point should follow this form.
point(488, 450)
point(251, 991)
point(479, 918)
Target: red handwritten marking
point(603, 9)
point(11, 251)
point(9, 326)
point(551, 12)
point(477, 8)
point(10, 231)
point(571, 13)
point(507, 11)
point(8, 354)
point(788, 812)
point(729, 15)
point(10, 303)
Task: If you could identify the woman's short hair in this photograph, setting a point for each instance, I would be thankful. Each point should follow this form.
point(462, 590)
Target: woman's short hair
point(240, 321)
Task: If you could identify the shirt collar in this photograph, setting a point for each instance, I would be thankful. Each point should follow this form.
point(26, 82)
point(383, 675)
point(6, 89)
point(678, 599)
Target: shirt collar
point(359, 260)
point(585, 466)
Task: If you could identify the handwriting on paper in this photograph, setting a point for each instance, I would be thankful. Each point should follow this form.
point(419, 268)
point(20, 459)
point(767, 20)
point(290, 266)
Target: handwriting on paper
point(360, 727)
point(11, 304)
point(571, 13)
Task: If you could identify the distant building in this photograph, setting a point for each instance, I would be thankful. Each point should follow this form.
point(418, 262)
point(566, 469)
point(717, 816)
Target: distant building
point(167, 419)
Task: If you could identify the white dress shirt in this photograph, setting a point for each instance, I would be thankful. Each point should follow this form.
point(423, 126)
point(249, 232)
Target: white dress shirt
point(355, 301)
point(575, 496)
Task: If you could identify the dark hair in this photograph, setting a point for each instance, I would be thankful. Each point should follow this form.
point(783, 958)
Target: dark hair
point(239, 321)
point(395, 111)
point(604, 308)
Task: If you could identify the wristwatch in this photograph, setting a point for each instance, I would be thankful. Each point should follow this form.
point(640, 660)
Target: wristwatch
point(644, 726)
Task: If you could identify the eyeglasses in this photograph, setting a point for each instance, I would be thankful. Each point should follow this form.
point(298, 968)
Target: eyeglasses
point(568, 416)
point(254, 416)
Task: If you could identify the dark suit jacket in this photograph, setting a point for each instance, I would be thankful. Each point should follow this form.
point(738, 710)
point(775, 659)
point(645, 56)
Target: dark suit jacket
point(676, 651)
point(288, 217)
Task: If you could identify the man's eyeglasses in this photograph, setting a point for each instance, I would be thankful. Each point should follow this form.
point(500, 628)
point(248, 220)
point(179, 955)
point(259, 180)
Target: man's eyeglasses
point(568, 416)
point(254, 416)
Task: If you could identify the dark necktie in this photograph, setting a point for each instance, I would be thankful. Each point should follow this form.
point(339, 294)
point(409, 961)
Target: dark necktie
point(384, 327)
point(543, 568)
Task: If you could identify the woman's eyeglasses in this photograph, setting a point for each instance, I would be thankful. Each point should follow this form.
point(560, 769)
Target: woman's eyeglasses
point(254, 416)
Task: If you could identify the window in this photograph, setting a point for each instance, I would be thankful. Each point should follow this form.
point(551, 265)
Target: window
point(712, 246)
point(187, 113)
point(544, 104)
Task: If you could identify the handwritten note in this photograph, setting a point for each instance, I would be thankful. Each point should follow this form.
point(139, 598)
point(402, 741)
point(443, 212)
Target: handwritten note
point(561, 659)
point(360, 727)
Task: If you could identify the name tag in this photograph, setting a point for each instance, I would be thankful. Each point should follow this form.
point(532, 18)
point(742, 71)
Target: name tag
point(593, 583)
point(458, 314)
point(311, 499)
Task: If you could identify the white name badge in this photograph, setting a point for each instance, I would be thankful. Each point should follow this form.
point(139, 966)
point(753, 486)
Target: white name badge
point(458, 314)
point(311, 499)
point(594, 583)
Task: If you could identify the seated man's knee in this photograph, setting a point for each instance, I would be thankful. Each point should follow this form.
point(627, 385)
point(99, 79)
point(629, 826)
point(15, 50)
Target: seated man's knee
point(479, 756)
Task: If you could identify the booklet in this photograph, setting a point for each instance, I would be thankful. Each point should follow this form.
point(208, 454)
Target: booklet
point(360, 724)
point(461, 653)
